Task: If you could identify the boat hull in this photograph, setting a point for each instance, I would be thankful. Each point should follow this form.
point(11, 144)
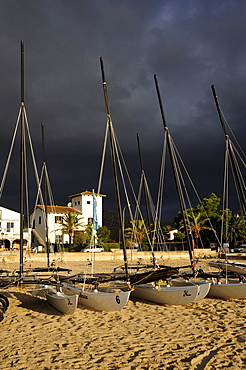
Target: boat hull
point(203, 290)
point(169, 295)
point(63, 303)
point(100, 301)
point(230, 290)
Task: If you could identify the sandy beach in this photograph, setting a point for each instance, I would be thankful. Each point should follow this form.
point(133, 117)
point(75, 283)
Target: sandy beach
point(209, 334)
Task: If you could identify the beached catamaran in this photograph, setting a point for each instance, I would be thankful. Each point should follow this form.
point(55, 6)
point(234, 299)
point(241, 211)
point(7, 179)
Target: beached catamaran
point(55, 297)
point(174, 292)
point(95, 295)
point(223, 286)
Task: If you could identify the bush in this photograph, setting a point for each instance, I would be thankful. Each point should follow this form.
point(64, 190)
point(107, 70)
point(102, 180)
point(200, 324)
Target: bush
point(108, 246)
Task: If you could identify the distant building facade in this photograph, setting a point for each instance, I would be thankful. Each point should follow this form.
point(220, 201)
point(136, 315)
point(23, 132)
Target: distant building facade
point(10, 230)
point(55, 215)
point(35, 236)
point(81, 203)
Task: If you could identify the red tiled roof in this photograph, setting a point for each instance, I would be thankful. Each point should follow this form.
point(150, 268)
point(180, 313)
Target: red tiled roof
point(87, 192)
point(59, 209)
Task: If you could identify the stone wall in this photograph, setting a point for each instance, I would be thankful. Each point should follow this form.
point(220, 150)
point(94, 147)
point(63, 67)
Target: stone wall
point(116, 255)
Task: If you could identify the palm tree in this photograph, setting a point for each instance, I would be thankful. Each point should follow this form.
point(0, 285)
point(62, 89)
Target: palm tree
point(138, 231)
point(236, 228)
point(69, 223)
point(196, 223)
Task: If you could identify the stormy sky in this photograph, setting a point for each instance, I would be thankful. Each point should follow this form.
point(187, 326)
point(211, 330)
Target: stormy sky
point(188, 44)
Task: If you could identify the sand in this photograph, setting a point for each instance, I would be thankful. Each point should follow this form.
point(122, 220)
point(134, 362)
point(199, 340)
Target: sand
point(209, 334)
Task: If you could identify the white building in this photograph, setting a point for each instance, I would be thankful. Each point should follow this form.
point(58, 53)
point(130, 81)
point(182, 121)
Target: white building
point(10, 230)
point(54, 217)
point(81, 203)
point(170, 234)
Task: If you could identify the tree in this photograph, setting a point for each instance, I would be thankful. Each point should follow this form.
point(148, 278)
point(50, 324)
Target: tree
point(209, 205)
point(234, 227)
point(69, 223)
point(196, 223)
point(103, 234)
point(79, 240)
point(88, 232)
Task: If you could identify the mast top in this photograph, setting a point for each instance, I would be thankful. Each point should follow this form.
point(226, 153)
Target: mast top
point(22, 71)
point(102, 70)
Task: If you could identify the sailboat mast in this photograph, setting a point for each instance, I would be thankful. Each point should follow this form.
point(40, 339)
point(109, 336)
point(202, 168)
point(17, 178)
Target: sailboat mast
point(22, 161)
point(45, 199)
point(175, 172)
point(240, 186)
point(113, 156)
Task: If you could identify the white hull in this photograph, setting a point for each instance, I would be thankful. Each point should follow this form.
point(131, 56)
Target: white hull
point(169, 295)
point(230, 290)
point(100, 301)
point(204, 287)
point(66, 304)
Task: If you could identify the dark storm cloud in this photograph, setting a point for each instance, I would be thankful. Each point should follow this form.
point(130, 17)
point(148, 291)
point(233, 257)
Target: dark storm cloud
point(188, 44)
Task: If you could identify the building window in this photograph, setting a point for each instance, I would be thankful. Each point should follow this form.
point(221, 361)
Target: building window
point(33, 224)
point(58, 219)
point(39, 220)
point(10, 225)
point(75, 203)
point(78, 202)
point(88, 202)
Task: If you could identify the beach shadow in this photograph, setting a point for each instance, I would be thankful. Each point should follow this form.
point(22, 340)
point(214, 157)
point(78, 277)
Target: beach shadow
point(36, 304)
point(150, 303)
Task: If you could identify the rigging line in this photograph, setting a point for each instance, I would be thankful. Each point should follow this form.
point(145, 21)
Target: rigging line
point(39, 194)
point(138, 210)
point(26, 180)
point(103, 156)
point(10, 153)
point(239, 156)
point(225, 194)
point(230, 129)
point(179, 172)
point(157, 231)
point(195, 191)
point(119, 156)
point(103, 159)
point(140, 188)
point(188, 200)
point(161, 180)
point(182, 189)
point(151, 202)
point(148, 195)
point(50, 193)
point(238, 192)
point(121, 159)
point(31, 147)
point(237, 167)
point(238, 178)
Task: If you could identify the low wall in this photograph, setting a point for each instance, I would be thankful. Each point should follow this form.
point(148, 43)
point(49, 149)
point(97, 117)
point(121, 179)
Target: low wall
point(116, 255)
